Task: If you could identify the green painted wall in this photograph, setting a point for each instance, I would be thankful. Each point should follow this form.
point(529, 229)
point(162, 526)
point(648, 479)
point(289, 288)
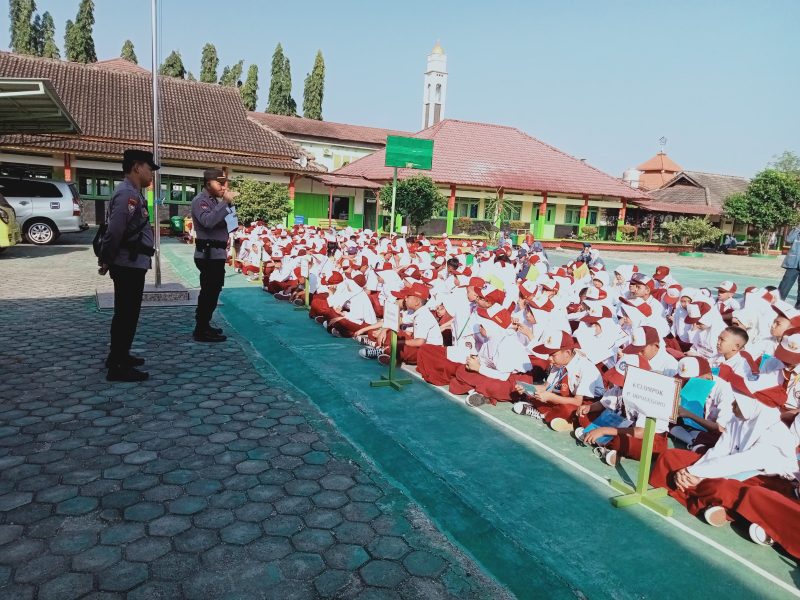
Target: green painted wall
point(311, 206)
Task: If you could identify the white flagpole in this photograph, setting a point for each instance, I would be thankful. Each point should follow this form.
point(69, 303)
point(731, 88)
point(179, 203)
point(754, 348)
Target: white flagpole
point(156, 157)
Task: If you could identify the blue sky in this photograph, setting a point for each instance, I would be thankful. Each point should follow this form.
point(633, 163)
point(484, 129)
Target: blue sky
point(600, 80)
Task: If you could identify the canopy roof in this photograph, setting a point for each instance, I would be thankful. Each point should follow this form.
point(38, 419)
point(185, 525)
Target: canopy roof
point(29, 105)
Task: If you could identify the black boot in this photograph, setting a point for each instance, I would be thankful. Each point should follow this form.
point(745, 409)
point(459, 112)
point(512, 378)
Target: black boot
point(207, 335)
point(121, 372)
point(129, 361)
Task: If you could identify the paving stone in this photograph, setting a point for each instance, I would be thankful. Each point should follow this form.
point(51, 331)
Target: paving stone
point(161, 493)
point(187, 505)
point(329, 583)
point(424, 564)
point(14, 499)
point(213, 518)
point(72, 542)
point(240, 533)
point(144, 511)
point(354, 533)
point(313, 540)
point(302, 565)
point(346, 556)
point(383, 573)
point(121, 499)
point(96, 558)
point(122, 576)
point(363, 512)
point(9, 533)
point(269, 548)
point(122, 533)
point(175, 566)
point(283, 525)
point(254, 512)
point(195, 540)
point(323, 518)
point(147, 549)
point(66, 587)
point(169, 525)
point(140, 482)
point(40, 569)
point(293, 505)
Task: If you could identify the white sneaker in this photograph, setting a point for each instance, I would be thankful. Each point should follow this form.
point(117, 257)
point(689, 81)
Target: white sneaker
point(325, 324)
point(606, 455)
point(579, 434)
point(370, 352)
point(526, 409)
point(716, 516)
point(759, 536)
point(335, 333)
point(475, 399)
point(561, 425)
point(363, 339)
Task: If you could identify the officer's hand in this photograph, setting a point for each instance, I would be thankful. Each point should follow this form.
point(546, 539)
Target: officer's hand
point(229, 196)
point(103, 269)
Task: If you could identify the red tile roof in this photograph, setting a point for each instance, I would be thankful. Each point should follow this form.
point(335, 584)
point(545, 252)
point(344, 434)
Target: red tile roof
point(328, 130)
point(120, 64)
point(696, 193)
point(495, 156)
point(660, 162)
point(113, 109)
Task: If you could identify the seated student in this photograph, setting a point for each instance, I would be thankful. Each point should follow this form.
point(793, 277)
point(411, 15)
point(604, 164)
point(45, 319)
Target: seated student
point(730, 346)
point(646, 343)
point(438, 364)
point(354, 312)
point(706, 324)
point(626, 438)
point(422, 328)
point(756, 345)
point(726, 303)
point(772, 507)
point(572, 380)
point(755, 442)
point(717, 411)
point(490, 373)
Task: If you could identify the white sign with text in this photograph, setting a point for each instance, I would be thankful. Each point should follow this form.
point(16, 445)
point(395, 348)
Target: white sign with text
point(651, 394)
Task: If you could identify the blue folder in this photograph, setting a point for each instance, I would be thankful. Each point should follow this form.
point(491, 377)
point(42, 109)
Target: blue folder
point(693, 398)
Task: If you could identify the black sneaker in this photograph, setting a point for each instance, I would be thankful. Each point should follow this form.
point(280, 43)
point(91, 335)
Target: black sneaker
point(126, 373)
point(129, 361)
point(475, 399)
point(217, 330)
point(208, 336)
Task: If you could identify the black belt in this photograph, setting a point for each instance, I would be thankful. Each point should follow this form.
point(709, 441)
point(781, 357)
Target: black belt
point(205, 246)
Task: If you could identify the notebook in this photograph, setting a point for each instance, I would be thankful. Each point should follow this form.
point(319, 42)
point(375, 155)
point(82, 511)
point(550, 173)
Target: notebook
point(608, 418)
point(694, 395)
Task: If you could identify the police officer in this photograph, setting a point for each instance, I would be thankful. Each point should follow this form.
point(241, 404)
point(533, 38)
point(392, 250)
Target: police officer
point(209, 209)
point(127, 248)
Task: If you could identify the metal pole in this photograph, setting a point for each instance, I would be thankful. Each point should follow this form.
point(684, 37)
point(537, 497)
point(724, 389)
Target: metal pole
point(394, 198)
point(156, 158)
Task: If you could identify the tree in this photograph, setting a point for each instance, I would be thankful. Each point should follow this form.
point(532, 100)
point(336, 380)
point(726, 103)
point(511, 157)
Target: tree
point(23, 27)
point(261, 201)
point(280, 100)
point(78, 40)
point(190, 76)
point(787, 162)
point(173, 66)
point(49, 46)
point(769, 202)
point(128, 53)
point(232, 75)
point(208, 64)
point(418, 199)
point(695, 231)
point(249, 90)
point(37, 35)
point(314, 89)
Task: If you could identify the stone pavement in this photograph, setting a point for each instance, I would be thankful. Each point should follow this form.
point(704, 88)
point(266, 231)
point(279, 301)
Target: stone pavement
point(214, 479)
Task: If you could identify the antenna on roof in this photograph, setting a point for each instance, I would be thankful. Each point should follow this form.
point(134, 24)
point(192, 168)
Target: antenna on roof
point(662, 141)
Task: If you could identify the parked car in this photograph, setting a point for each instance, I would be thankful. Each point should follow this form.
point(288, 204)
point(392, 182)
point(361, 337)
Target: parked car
point(9, 229)
point(45, 208)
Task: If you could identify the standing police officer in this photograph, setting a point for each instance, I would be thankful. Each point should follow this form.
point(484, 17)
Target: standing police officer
point(126, 250)
point(209, 209)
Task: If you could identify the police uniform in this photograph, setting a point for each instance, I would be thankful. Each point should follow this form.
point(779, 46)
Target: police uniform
point(208, 220)
point(127, 248)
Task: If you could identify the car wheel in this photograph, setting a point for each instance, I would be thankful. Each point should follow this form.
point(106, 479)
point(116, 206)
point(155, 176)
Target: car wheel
point(3, 249)
point(40, 233)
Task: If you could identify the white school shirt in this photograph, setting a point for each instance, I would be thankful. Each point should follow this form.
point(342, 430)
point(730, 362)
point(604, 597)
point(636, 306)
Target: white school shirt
point(581, 376)
point(719, 404)
point(664, 363)
point(509, 357)
point(425, 326)
point(737, 363)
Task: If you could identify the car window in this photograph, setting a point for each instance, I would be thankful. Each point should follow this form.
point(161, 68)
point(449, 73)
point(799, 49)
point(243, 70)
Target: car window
point(29, 188)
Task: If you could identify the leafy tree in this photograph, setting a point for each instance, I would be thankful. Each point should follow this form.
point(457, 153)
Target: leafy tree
point(314, 89)
point(78, 40)
point(259, 200)
point(249, 90)
point(173, 66)
point(128, 53)
point(190, 76)
point(418, 199)
point(769, 202)
point(280, 100)
point(232, 75)
point(787, 162)
point(49, 46)
point(208, 64)
point(24, 29)
point(37, 35)
point(695, 231)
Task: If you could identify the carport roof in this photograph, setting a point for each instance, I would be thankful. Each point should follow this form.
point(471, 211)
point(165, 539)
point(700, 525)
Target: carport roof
point(33, 106)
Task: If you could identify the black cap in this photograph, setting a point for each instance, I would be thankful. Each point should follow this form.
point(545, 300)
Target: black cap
point(210, 174)
point(587, 245)
point(131, 156)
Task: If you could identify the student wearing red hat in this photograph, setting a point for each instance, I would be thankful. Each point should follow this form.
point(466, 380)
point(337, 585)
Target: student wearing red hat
point(646, 343)
point(572, 380)
point(353, 312)
point(489, 374)
point(662, 277)
point(726, 303)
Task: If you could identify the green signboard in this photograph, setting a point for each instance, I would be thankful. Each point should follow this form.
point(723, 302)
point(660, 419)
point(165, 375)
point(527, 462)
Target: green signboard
point(409, 153)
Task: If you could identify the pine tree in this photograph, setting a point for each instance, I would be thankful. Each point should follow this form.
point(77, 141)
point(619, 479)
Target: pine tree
point(37, 36)
point(173, 66)
point(128, 53)
point(314, 89)
point(232, 75)
point(78, 41)
point(23, 32)
point(13, 15)
point(190, 76)
point(280, 100)
point(249, 90)
point(49, 47)
point(208, 64)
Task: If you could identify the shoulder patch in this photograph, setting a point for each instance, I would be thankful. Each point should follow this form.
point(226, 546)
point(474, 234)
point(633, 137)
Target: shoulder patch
point(132, 203)
point(204, 206)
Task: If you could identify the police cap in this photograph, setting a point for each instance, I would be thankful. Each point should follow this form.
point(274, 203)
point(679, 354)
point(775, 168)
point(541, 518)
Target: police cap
point(210, 174)
point(132, 156)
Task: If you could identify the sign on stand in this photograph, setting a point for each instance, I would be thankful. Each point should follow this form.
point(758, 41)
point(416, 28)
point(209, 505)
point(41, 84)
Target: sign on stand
point(657, 397)
point(406, 153)
point(391, 321)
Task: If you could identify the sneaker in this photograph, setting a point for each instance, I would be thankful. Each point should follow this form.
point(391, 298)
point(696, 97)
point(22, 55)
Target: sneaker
point(606, 455)
point(475, 399)
point(561, 425)
point(335, 333)
point(217, 330)
point(716, 516)
point(325, 324)
point(370, 352)
point(759, 536)
point(320, 319)
point(385, 359)
point(579, 433)
point(126, 373)
point(128, 361)
point(526, 409)
point(697, 448)
point(208, 336)
point(363, 339)
point(298, 302)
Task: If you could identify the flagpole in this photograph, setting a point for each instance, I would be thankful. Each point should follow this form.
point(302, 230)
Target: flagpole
point(156, 157)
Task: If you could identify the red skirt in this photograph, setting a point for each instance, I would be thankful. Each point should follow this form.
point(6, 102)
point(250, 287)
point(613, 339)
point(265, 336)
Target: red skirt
point(494, 389)
point(772, 505)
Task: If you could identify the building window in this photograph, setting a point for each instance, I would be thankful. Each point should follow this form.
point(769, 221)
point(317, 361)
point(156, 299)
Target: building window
point(467, 207)
point(550, 216)
point(572, 216)
point(592, 220)
point(512, 211)
point(341, 208)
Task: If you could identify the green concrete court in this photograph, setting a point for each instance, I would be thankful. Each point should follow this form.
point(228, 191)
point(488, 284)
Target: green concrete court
point(527, 503)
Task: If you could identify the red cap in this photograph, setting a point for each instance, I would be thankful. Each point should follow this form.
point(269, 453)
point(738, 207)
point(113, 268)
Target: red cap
point(616, 374)
point(477, 283)
point(696, 311)
point(334, 278)
point(661, 273)
point(498, 315)
point(560, 340)
point(641, 337)
point(360, 280)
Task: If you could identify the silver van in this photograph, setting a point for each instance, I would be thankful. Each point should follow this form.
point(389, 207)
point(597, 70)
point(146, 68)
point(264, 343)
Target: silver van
point(45, 208)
